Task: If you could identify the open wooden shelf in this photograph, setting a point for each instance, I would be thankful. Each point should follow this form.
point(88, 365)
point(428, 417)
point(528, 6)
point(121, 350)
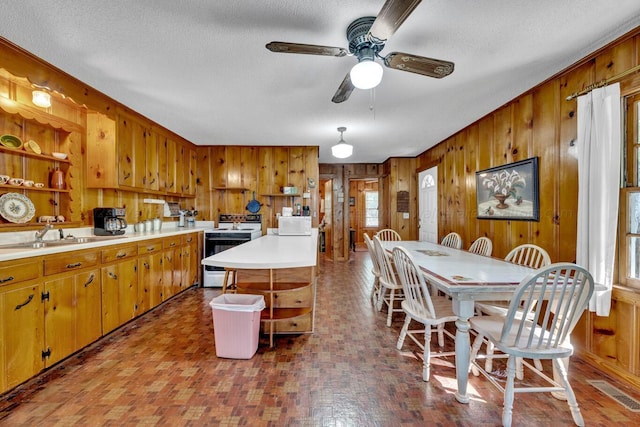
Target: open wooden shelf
point(23, 188)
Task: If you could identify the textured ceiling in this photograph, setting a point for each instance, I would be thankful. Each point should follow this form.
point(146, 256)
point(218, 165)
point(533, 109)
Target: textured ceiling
point(200, 67)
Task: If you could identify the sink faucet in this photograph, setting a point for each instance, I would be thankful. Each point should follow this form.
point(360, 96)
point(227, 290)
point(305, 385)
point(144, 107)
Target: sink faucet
point(40, 234)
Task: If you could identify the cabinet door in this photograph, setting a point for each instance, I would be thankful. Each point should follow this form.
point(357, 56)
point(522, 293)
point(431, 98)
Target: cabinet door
point(119, 294)
point(152, 174)
point(189, 157)
point(88, 303)
point(172, 272)
point(171, 185)
point(71, 313)
point(149, 281)
point(163, 165)
point(21, 331)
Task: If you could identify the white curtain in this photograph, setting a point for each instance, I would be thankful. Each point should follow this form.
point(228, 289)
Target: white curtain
point(599, 151)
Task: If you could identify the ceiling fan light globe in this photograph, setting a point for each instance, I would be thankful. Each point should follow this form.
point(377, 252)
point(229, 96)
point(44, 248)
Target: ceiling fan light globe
point(366, 74)
point(342, 150)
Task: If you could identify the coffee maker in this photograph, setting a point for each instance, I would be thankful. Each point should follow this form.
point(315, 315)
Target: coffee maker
point(109, 221)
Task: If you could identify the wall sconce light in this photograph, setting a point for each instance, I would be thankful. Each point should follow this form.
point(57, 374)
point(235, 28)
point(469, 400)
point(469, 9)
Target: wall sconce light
point(41, 98)
point(342, 150)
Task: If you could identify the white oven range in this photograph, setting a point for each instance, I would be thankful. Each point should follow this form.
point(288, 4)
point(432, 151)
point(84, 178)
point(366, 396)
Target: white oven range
point(232, 230)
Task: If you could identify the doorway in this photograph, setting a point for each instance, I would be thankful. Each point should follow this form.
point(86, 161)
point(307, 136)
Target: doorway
point(325, 219)
point(364, 213)
point(428, 205)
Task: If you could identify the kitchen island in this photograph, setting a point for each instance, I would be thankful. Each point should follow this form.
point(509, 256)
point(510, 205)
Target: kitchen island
point(283, 269)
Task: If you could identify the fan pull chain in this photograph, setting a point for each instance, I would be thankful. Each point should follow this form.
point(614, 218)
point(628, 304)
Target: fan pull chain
point(372, 102)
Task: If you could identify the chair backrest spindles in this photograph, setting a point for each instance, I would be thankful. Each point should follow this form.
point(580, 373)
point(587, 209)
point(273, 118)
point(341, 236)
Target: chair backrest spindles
point(482, 246)
point(416, 293)
point(387, 235)
point(567, 287)
point(530, 255)
point(452, 240)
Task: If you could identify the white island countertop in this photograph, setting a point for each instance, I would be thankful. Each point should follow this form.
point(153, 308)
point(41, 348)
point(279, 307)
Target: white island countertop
point(270, 251)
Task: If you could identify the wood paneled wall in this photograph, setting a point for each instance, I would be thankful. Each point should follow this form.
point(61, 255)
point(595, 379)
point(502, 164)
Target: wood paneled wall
point(542, 123)
point(229, 176)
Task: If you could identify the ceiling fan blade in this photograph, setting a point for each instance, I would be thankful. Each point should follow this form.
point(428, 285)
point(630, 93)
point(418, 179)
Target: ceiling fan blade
point(344, 91)
point(419, 64)
point(308, 49)
point(391, 16)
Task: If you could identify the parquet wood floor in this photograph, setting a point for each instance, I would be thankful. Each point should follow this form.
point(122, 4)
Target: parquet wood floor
point(162, 369)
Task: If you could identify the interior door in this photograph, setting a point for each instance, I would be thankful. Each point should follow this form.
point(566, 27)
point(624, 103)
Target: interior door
point(428, 205)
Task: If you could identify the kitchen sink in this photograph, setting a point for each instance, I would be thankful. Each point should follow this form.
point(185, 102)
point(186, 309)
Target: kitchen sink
point(61, 242)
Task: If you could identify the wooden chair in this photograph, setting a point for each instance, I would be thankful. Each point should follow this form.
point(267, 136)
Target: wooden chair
point(527, 254)
point(542, 336)
point(375, 270)
point(420, 306)
point(452, 240)
point(387, 234)
point(390, 289)
point(482, 246)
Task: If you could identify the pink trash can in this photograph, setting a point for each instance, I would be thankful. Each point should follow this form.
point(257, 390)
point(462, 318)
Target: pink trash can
point(236, 324)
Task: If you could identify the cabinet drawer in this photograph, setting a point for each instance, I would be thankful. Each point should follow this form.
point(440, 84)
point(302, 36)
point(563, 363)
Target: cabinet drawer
point(119, 253)
point(293, 298)
point(294, 325)
point(149, 246)
point(286, 295)
point(15, 272)
point(172, 242)
point(69, 261)
point(187, 239)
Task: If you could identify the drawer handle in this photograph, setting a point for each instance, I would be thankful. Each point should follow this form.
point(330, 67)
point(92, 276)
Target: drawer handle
point(121, 255)
point(19, 306)
point(113, 275)
point(172, 244)
point(150, 248)
point(90, 280)
point(77, 264)
point(8, 279)
point(146, 265)
point(152, 181)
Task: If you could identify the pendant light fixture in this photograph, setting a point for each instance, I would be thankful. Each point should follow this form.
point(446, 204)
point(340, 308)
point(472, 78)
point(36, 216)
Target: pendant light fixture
point(342, 150)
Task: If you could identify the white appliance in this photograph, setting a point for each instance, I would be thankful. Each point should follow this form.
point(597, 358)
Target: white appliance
point(294, 226)
point(232, 230)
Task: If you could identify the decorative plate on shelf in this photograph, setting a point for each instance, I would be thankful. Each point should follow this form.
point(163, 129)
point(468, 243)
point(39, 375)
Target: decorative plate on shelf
point(33, 146)
point(10, 141)
point(16, 207)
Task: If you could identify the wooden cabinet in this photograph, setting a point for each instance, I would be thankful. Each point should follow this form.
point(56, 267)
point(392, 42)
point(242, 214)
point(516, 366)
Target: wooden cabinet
point(71, 313)
point(21, 323)
point(150, 272)
point(126, 154)
point(52, 306)
point(119, 290)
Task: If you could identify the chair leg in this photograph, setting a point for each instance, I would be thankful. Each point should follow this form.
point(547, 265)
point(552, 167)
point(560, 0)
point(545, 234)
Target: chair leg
point(519, 369)
point(375, 290)
point(441, 334)
point(380, 301)
point(477, 343)
point(403, 332)
point(392, 294)
point(488, 364)
point(426, 354)
point(507, 410)
point(571, 397)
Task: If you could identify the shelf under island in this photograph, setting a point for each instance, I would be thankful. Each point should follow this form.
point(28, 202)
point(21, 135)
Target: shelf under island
point(283, 269)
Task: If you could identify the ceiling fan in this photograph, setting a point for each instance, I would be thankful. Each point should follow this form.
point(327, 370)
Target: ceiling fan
point(367, 37)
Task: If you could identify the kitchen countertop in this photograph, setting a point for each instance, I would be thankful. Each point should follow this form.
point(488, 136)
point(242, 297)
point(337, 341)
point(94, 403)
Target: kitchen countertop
point(270, 251)
point(7, 254)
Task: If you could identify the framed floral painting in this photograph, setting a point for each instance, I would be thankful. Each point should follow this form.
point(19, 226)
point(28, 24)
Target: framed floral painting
point(509, 191)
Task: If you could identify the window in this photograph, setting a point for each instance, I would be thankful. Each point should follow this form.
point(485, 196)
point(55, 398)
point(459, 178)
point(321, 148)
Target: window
point(371, 208)
point(629, 222)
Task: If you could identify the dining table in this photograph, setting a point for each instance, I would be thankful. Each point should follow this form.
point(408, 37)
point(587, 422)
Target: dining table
point(466, 278)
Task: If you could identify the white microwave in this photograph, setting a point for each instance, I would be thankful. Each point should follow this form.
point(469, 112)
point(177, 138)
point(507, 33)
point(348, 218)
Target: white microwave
point(294, 226)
